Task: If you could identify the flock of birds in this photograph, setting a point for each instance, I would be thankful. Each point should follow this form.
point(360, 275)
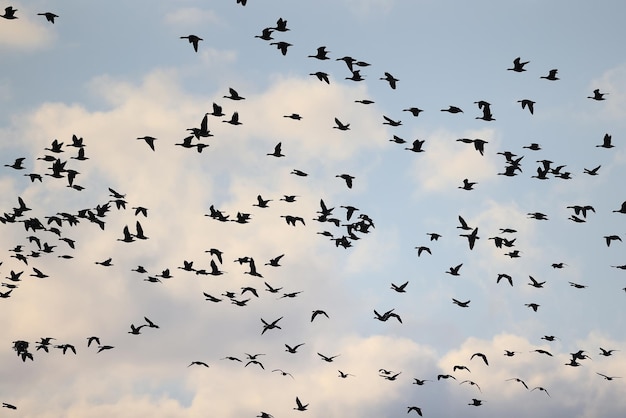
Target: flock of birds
point(52, 233)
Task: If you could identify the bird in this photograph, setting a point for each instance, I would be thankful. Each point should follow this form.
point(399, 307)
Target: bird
point(233, 95)
point(419, 382)
point(271, 325)
point(234, 119)
point(327, 359)
point(541, 351)
point(606, 142)
point(193, 39)
point(533, 306)
point(455, 368)
point(266, 34)
point(452, 109)
point(341, 126)
point(149, 140)
point(471, 238)
point(321, 76)
point(299, 405)
point(519, 381)
point(467, 185)
point(347, 178)
point(282, 372)
point(415, 111)
point(414, 408)
point(281, 25)
point(299, 173)
point(17, 164)
point(49, 16)
point(606, 353)
point(150, 324)
point(277, 151)
point(294, 349)
point(274, 262)
point(294, 116)
point(551, 75)
point(622, 209)
point(476, 402)
point(391, 122)
point(454, 271)
point(390, 79)
point(526, 103)
point(535, 283)
point(417, 146)
point(9, 13)
point(541, 389)
point(421, 249)
point(518, 65)
point(472, 384)
point(344, 375)
point(593, 171)
point(461, 304)
point(608, 377)
point(400, 288)
point(597, 95)
point(198, 363)
point(8, 405)
point(481, 355)
point(282, 46)
point(136, 330)
point(445, 376)
point(318, 312)
point(322, 54)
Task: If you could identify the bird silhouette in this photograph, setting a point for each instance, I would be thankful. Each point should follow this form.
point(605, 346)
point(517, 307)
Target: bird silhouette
point(233, 95)
point(9, 13)
point(341, 126)
point(300, 406)
point(551, 75)
point(606, 142)
point(526, 103)
point(414, 408)
point(390, 79)
point(518, 65)
point(282, 46)
point(461, 304)
point(193, 39)
point(322, 54)
point(597, 95)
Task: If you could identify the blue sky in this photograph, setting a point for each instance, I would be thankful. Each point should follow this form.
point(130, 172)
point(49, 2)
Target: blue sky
point(113, 72)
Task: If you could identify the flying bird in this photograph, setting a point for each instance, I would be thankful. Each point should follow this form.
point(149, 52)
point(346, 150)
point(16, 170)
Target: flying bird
point(49, 16)
point(518, 65)
point(193, 39)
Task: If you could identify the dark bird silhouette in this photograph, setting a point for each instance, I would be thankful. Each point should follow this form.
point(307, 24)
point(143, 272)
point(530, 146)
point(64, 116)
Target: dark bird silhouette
point(348, 179)
point(149, 140)
point(150, 323)
point(282, 372)
point(233, 95)
point(318, 312)
point(535, 283)
point(9, 13)
point(282, 46)
point(455, 368)
point(445, 376)
point(593, 171)
point(419, 382)
point(266, 34)
point(533, 147)
point(541, 389)
point(551, 75)
point(452, 109)
point(519, 381)
point(17, 164)
point(391, 80)
point(476, 402)
point(271, 325)
point(344, 375)
point(518, 65)
point(49, 16)
point(526, 103)
point(391, 122)
point(454, 271)
point(400, 288)
point(414, 408)
point(193, 39)
point(414, 111)
point(322, 54)
point(281, 25)
point(606, 353)
point(105, 263)
point(471, 238)
point(533, 306)
point(481, 355)
point(356, 76)
point(274, 262)
point(327, 359)
point(461, 304)
point(622, 209)
point(471, 383)
point(321, 76)
point(606, 142)
point(597, 95)
point(293, 349)
point(234, 119)
point(421, 249)
point(198, 363)
point(262, 203)
point(300, 406)
point(299, 173)
point(341, 126)
point(467, 185)
point(417, 146)
point(277, 151)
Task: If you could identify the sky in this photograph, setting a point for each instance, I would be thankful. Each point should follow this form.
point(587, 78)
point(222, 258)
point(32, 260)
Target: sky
point(112, 72)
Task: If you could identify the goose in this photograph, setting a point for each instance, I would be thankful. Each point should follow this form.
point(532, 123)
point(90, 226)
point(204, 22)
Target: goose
point(597, 95)
point(551, 75)
point(390, 79)
point(321, 54)
point(321, 76)
point(193, 39)
point(518, 65)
